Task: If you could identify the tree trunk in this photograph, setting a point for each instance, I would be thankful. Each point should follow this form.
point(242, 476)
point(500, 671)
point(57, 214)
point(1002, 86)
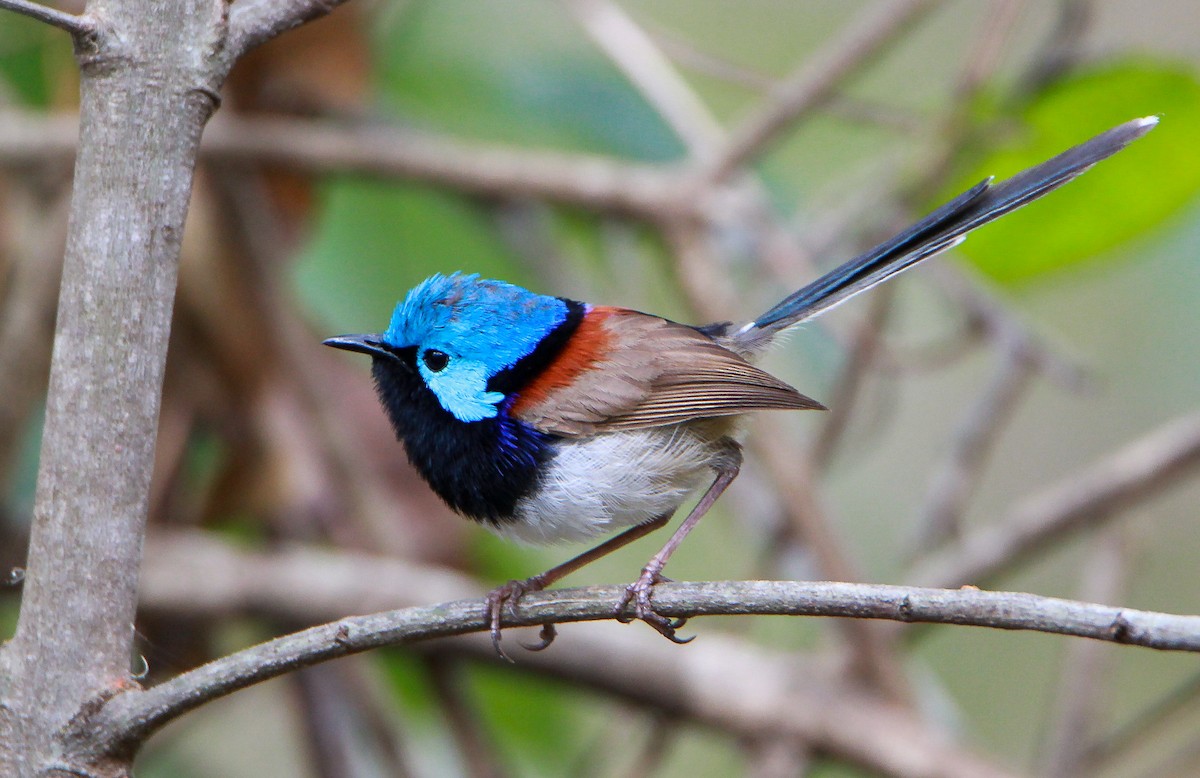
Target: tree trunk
point(149, 75)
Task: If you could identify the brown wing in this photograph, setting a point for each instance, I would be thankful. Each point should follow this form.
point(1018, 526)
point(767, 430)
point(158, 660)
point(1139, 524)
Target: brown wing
point(626, 370)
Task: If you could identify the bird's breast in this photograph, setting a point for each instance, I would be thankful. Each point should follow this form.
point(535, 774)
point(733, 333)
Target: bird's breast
point(599, 483)
point(481, 469)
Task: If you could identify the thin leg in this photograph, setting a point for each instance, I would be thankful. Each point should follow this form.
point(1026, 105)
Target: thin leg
point(511, 592)
point(639, 591)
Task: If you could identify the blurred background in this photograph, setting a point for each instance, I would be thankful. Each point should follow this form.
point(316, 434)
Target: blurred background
point(1022, 415)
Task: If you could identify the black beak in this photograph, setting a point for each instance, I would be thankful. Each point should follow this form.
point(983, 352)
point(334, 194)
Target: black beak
point(363, 344)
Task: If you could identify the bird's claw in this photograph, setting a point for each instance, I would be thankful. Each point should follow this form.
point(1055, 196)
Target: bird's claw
point(638, 593)
point(510, 594)
point(545, 637)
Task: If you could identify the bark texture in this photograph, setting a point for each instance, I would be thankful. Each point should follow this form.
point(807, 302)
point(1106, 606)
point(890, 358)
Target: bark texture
point(150, 73)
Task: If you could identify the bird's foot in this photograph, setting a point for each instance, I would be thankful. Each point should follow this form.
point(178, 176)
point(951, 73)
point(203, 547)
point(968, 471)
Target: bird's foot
point(508, 596)
point(638, 593)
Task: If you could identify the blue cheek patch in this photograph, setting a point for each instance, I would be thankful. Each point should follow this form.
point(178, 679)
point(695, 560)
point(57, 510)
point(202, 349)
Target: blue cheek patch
point(461, 389)
point(485, 326)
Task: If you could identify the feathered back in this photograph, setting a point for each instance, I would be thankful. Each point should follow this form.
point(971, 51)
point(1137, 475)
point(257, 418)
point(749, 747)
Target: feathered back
point(629, 370)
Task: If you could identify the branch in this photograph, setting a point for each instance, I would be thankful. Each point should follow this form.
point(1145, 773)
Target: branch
point(588, 181)
point(133, 716)
point(870, 654)
point(1139, 470)
point(956, 479)
point(254, 22)
point(1083, 688)
point(997, 320)
point(1147, 725)
point(813, 83)
point(651, 73)
point(78, 26)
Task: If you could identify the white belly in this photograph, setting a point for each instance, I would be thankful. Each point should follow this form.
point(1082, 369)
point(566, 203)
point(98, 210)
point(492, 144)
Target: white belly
point(613, 480)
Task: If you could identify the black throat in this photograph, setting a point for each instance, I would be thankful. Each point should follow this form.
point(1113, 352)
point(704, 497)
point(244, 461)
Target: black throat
point(483, 468)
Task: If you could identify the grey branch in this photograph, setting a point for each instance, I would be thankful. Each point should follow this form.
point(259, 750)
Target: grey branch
point(587, 181)
point(781, 695)
point(814, 82)
point(254, 22)
point(78, 26)
point(956, 479)
point(491, 171)
point(131, 717)
point(636, 53)
point(1140, 469)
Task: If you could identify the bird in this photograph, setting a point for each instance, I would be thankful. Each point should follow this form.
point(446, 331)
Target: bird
point(547, 419)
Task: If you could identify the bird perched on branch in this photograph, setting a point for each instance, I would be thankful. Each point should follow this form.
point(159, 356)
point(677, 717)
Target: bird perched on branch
point(548, 419)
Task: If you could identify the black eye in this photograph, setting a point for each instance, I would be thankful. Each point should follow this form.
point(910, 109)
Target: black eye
point(435, 360)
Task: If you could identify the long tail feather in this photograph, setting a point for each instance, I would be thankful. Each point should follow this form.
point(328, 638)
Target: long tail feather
point(944, 228)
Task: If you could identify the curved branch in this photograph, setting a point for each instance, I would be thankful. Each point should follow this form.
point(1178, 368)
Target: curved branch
point(133, 716)
point(78, 26)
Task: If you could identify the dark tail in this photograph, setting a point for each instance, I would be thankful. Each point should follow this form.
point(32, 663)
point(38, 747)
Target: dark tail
point(946, 227)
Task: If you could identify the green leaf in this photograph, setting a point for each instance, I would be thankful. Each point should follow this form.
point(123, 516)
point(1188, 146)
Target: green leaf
point(1119, 199)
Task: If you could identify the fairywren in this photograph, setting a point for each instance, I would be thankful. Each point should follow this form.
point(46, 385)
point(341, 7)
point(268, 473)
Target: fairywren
point(548, 419)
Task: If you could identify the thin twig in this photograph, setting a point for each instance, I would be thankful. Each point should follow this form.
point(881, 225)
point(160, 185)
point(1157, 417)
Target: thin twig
point(343, 735)
point(1122, 479)
point(689, 56)
point(1146, 726)
point(871, 655)
point(700, 275)
point(864, 347)
point(990, 46)
point(1086, 664)
point(1062, 50)
point(661, 735)
point(955, 480)
point(78, 26)
point(642, 61)
point(779, 694)
point(814, 82)
point(1000, 323)
point(478, 755)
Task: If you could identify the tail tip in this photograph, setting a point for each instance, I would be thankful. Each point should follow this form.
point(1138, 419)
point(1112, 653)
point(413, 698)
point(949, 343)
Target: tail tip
point(1131, 130)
